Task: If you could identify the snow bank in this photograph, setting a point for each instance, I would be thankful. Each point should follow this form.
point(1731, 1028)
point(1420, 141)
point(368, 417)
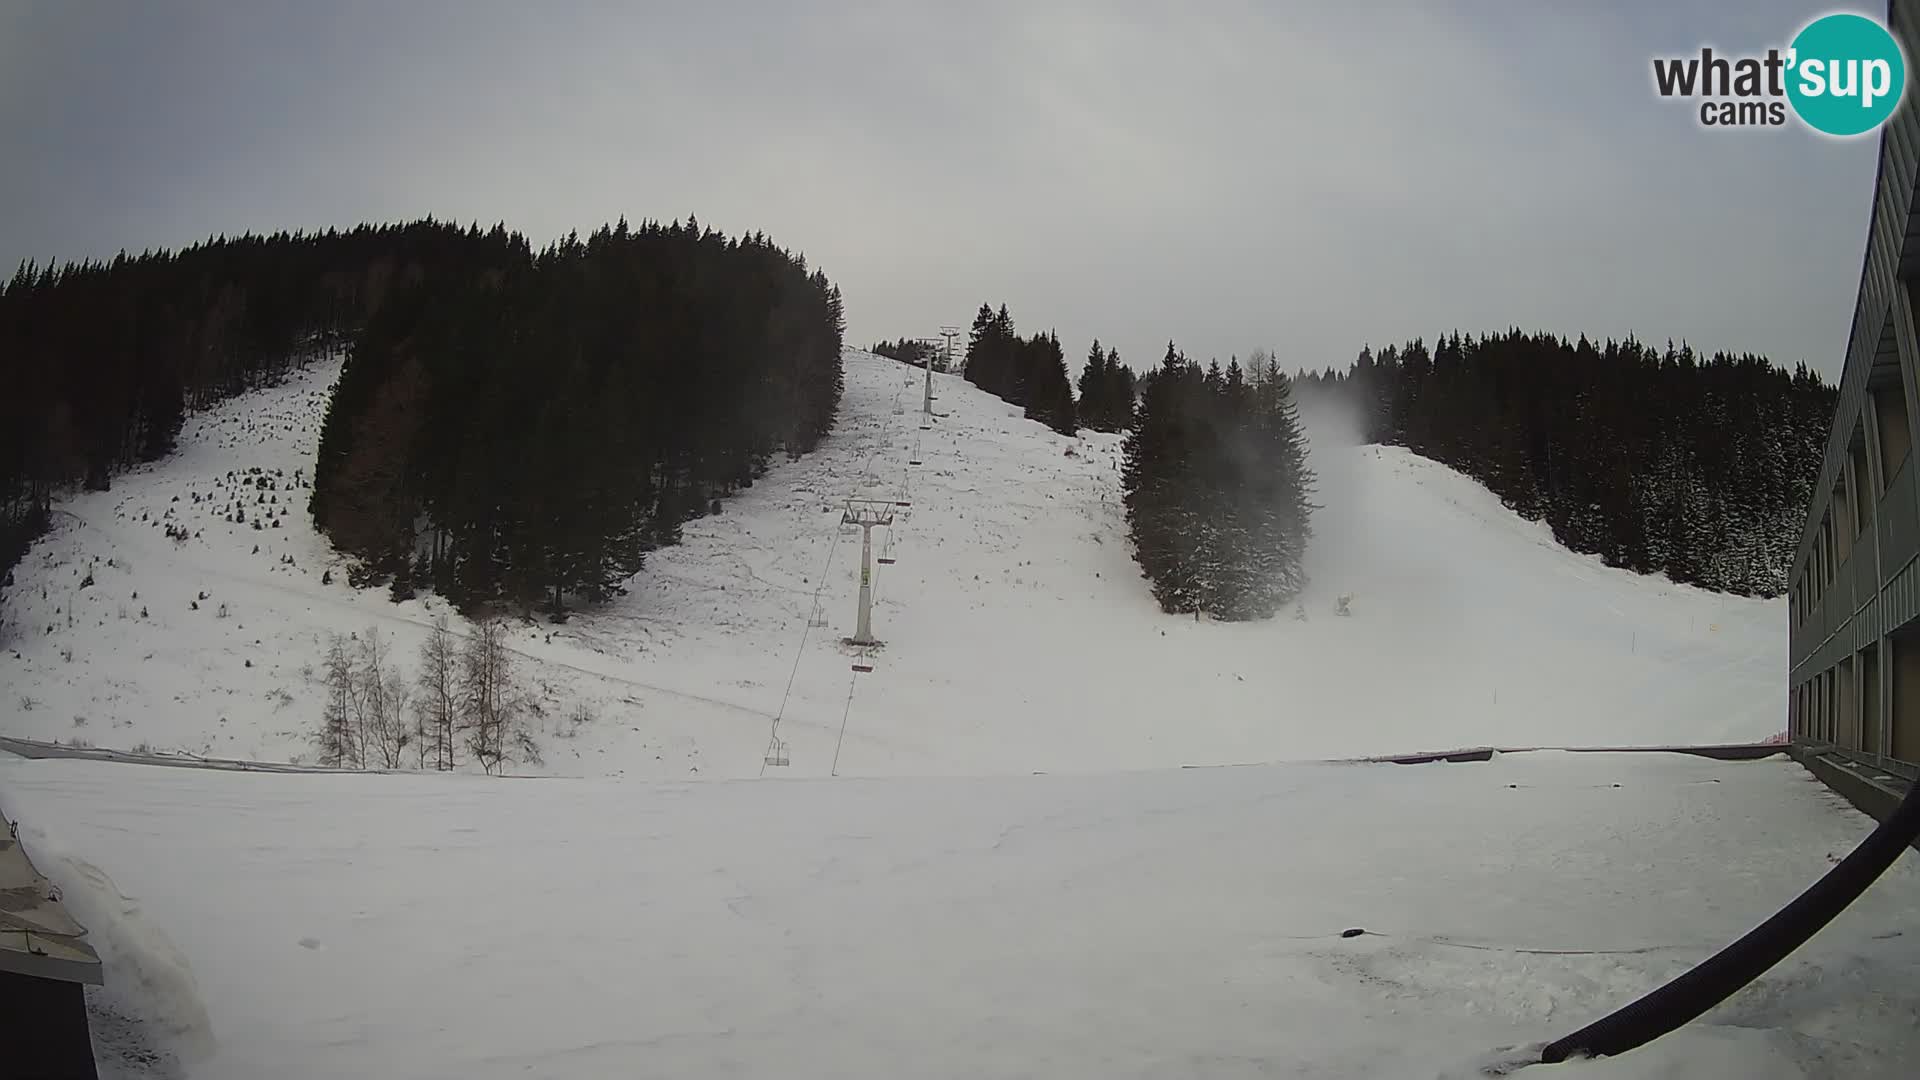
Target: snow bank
point(150, 1002)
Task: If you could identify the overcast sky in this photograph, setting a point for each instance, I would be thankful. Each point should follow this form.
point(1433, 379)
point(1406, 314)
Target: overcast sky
point(1305, 176)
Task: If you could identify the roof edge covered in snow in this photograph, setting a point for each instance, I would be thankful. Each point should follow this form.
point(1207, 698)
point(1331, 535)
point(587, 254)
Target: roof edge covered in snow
point(37, 936)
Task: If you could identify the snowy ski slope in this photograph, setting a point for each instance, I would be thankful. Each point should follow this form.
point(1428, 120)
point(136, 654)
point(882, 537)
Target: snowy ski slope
point(1018, 634)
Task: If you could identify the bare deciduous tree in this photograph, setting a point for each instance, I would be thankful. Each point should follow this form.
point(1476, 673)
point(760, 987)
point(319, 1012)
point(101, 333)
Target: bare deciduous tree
point(338, 738)
point(440, 693)
point(1258, 362)
point(422, 739)
point(400, 734)
point(384, 696)
point(490, 702)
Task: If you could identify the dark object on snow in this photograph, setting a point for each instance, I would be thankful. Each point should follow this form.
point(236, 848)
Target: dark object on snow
point(1355, 932)
point(1722, 974)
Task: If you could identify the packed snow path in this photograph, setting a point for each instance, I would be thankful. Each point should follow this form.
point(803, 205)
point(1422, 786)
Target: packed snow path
point(1018, 634)
point(1175, 923)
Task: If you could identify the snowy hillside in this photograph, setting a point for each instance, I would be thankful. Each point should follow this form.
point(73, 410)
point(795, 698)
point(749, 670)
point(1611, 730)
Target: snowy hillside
point(1018, 635)
point(982, 922)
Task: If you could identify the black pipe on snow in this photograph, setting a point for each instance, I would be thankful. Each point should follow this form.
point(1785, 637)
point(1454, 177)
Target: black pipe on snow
point(1717, 978)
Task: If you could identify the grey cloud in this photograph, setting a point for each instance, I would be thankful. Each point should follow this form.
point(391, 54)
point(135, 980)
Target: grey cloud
point(1232, 175)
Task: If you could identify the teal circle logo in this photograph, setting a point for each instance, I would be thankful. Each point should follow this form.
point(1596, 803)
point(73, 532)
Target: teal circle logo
point(1846, 74)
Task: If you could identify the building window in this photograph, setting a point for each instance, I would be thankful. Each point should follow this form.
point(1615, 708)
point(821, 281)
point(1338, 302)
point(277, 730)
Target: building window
point(1862, 487)
point(1896, 434)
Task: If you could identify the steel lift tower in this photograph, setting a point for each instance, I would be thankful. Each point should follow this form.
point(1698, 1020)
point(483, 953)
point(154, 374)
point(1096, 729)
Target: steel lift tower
point(866, 513)
point(947, 333)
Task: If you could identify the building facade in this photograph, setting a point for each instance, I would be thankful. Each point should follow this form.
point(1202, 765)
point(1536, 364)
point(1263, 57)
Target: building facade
point(1854, 594)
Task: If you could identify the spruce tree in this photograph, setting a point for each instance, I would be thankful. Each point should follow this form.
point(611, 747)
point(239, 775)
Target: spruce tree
point(1285, 498)
point(1153, 474)
point(1217, 490)
point(1122, 390)
point(1656, 459)
point(974, 366)
point(1094, 387)
point(1049, 393)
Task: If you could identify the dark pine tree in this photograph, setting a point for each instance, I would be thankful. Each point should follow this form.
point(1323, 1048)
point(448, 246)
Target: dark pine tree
point(1655, 459)
point(1217, 489)
point(1158, 457)
point(1122, 391)
point(1094, 387)
point(103, 360)
point(1028, 372)
point(1049, 394)
point(623, 382)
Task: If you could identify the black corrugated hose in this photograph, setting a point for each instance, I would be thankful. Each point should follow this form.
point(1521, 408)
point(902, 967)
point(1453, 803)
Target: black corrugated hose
point(1721, 975)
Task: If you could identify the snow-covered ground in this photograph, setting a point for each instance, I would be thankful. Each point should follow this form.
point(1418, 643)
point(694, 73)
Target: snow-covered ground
point(1018, 634)
point(936, 911)
point(1174, 923)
